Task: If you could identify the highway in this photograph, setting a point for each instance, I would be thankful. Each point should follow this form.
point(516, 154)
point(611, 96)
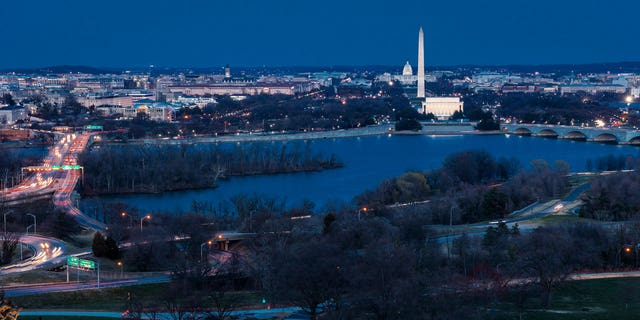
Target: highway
point(26, 290)
point(56, 176)
point(47, 253)
point(524, 218)
point(275, 313)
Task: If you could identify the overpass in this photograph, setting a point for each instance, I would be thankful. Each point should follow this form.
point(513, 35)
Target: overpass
point(604, 135)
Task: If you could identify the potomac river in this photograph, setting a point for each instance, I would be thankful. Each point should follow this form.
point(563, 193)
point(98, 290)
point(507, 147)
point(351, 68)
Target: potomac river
point(368, 160)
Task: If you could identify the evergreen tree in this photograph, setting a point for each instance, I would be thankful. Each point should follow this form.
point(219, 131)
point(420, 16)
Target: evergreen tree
point(99, 245)
point(112, 251)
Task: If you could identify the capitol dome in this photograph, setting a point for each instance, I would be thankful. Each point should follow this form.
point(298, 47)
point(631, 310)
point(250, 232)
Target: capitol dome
point(407, 70)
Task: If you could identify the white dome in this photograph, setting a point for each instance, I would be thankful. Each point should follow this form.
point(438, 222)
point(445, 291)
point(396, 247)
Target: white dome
point(407, 70)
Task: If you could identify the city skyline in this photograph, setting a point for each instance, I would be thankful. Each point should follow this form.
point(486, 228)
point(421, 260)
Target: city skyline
point(251, 33)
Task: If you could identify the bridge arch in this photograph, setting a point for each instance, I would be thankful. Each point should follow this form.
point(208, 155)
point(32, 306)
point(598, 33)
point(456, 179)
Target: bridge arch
point(635, 141)
point(522, 132)
point(547, 133)
point(606, 138)
point(575, 135)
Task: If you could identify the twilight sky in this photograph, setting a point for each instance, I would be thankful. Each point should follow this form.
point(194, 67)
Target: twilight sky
point(206, 33)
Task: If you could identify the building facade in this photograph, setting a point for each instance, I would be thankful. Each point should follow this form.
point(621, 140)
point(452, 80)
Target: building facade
point(11, 114)
point(442, 107)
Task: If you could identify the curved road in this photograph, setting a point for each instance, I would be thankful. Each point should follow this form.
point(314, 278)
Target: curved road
point(48, 252)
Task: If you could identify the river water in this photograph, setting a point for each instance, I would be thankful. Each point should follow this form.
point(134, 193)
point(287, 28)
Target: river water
point(368, 161)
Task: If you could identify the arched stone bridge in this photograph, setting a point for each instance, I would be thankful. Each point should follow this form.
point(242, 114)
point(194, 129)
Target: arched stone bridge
point(606, 135)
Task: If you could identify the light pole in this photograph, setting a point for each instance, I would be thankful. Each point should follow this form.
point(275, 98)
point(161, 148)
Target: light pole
point(202, 246)
point(29, 226)
point(251, 220)
point(5, 220)
point(360, 212)
point(124, 214)
point(142, 219)
point(35, 223)
point(121, 269)
point(450, 231)
point(628, 100)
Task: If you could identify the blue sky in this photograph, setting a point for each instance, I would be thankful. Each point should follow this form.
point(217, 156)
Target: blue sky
point(206, 33)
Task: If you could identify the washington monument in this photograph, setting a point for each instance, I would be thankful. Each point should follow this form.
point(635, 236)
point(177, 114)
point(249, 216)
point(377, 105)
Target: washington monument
point(420, 64)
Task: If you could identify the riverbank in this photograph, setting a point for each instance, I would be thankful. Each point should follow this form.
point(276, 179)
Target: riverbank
point(267, 137)
point(429, 128)
point(144, 169)
point(89, 195)
point(367, 162)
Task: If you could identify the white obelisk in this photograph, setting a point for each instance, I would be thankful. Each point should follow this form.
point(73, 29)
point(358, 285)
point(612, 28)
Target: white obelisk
point(420, 64)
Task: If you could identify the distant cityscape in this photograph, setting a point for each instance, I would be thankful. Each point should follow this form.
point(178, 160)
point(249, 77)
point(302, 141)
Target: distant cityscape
point(161, 94)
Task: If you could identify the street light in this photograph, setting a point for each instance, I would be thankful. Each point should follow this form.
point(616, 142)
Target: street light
point(35, 224)
point(142, 219)
point(628, 100)
point(202, 246)
point(360, 212)
point(121, 269)
point(450, 230)
point(29, 226)
point(5, 220)
point(124, 214)
point(251, 220)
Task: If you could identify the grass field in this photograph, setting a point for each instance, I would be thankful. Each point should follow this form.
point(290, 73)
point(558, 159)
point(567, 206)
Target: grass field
point(113, 299)
point(576, 300)
point(61, 318)
point(582, 300)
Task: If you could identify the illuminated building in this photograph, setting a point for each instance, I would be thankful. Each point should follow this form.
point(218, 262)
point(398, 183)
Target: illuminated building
point(442, 107)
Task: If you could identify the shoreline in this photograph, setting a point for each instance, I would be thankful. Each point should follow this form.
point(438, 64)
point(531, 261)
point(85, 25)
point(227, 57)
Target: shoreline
point(214, 186)
point(441, 129)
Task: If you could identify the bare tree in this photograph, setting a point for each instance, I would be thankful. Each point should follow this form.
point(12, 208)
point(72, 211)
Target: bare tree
point(546, 256)
point(10, 243)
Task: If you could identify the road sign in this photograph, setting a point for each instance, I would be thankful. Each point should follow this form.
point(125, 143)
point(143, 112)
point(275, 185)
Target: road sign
point(82, 263)
point(87, 264)
point(72, 261)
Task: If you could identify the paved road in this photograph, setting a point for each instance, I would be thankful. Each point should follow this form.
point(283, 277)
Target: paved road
point(521, 218)
point(243, 314)
point(262, 313)
point(48, 253)
point(27, 290)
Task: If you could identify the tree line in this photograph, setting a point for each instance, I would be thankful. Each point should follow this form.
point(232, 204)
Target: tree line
point(612, 197)
point(383, 265)
point(471, 186)
point(612, 163)
point(155, 168)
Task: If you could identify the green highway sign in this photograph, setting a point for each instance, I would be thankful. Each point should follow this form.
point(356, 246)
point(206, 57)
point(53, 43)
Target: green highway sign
point(91, 127)
point(82, 263)
point(72, 261)
point(66, 167)
point(87, 264)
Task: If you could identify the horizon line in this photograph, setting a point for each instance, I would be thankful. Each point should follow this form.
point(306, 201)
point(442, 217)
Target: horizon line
point(221, 66)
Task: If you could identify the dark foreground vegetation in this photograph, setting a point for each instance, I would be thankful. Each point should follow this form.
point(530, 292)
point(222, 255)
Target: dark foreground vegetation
point(148, 168)
point(471, 186)
point(379, 265)
point(613, 197)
